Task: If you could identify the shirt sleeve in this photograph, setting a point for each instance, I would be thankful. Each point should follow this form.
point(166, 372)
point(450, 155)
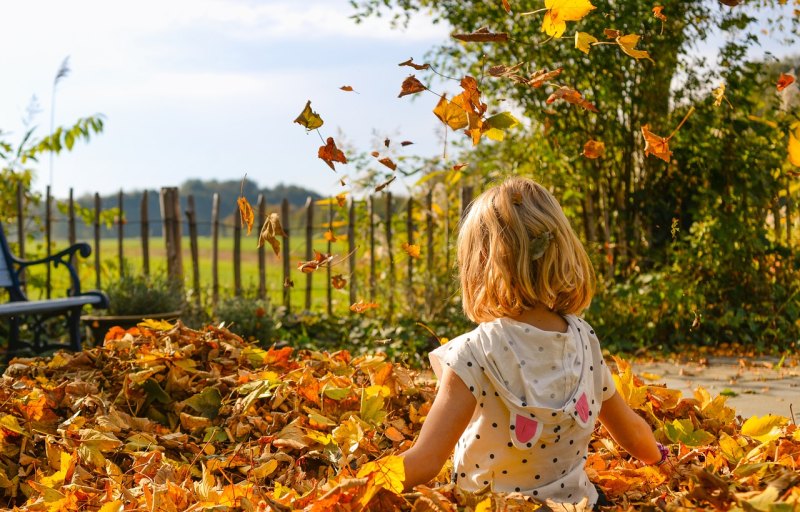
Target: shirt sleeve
point(609, 388)
point(457, 355)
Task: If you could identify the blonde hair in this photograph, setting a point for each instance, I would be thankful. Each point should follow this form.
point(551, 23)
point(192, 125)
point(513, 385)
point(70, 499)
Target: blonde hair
point(506, 264)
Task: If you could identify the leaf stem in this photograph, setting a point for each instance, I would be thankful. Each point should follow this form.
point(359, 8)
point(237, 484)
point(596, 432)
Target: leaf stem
point(533, 12)
point(320, 136)
point(689, 113)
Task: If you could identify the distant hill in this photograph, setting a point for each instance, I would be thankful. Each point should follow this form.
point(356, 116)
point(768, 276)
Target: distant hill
point(202, 191)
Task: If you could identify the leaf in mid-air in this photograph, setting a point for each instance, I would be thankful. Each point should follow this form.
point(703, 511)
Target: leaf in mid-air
point(347, 88)
point(246, 213)
point(308, 118)
point(628, 44)
point(329, 153)
point(451, 114)
point(410, 63)
point(385, 183)
point(482, 35)
point(540, 77)
point(361, 306)
point(270, 232)
point(338, 281)
point(507, 6)
point(561, 11)
point(719, 94)
point(570, 95)
point(658, 12)
point(594, 149)
point(341, 199)
point(411, 86)
point(330, 236)
point(656, 145)
point(388, 162)
point(784, 81)
point(320, 260)
point(411, 249)
point(584, 41)
point(495, 127)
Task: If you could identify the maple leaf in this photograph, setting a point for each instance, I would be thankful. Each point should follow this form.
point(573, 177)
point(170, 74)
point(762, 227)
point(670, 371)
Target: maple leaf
point(338, 281)
point(482, 35)
point(656, 145)
point(584, 41)
point(411, 249)
point(561, 11)
point(539, 78)
point(410, 62)
point(308, 118)
point(361, 306)
point(658, 12)
point(628, 44)
point(385, 183)
point(329, 153)
point(784, 81)
point(388, 472)
point(450, 114)
point(570, 95)
point(270, 232)
point(471, 97)
point(388, 163)
point(246, 213)
point(411, 86)
point(594, 149)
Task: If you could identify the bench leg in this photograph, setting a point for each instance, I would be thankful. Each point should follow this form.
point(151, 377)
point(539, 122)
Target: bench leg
point(13, 336)
point(74, 328)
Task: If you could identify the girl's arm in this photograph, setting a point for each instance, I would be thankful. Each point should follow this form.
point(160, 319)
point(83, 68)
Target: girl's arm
point(629, 430)
point(449, 415)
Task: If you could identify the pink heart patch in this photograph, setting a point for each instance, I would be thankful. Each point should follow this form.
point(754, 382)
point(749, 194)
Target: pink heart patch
point(525, 428)
point(582, 406)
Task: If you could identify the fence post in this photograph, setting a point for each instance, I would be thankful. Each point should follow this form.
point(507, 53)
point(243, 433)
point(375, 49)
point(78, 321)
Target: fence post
point(330, 228)
point(120, 234)
point(390, 251)
point(412, 302)
point(262, 252)
point(372, 248)
point(287, 280)
point(145, 234)
point(170, 214)
point(48, 228)
point(71, 237)
point(21, 231)
point(237, 252)
point(97, 207)
point(191, 217)
point(309, 248)
point(351, 249)
point(215, 249)
point(429, 255)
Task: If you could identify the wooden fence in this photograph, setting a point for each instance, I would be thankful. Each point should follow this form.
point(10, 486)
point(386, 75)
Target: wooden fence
point(401, 220)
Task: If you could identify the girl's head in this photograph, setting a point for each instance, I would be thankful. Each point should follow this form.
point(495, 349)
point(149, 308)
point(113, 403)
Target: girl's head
point(516, 249)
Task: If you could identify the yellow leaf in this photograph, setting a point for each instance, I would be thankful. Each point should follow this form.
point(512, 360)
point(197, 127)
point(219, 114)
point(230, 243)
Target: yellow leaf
point(112, 506)
point(628, 44)
point(583, 41)
point(9, 423)
point(156, 325)
point(266, 469)
point(730, 448)
point(411, 249)
point(388, 472)
point(561, 11)
point(794, 146)
point(451, 114)
point(246, 213)
point(765, 429)
point(484, 506)
point(308, 118)
point(719, 94)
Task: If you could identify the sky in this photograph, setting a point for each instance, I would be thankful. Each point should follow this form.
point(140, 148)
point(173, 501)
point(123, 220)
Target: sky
point(209, 88)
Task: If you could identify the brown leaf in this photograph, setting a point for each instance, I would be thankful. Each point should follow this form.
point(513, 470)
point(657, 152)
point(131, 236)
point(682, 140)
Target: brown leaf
point(612, 33)
point(288, 283)
point(376, 154)
point(246, 213)
point(418, 67)
point(329, 153)
point(338, 281)
point(539, 78)
point(656, 145)
point(472, 96)
point(341, 199)
point(388, 163)
point(406, 143)
point(570, 95)
point(385, 183)
point(320, 260)
point(347, 88)
point(504, 71)
point(386, 143)
point(460, 166)
point(411, 86)
point(270, 232)
point(594, 149)
point(483, 35)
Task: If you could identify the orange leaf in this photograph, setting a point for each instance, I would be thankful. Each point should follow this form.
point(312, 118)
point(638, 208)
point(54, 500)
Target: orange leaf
point(388, 163)
point(612, 33)
point(246, 213)
point(393, 434)
point(320, 260)
point(540, 77)
point(656, 145)
point(411, 86)
point(329, 236)
point(507, 6)
point(385, 184)
point(361, 306)
point(472, 96)
point(410, 63)
point(450, 114)
point(657, 12)
point(785, 81)
point(411, 249)
point(347, 88)
point(460, 166)
point(570, 95)
point(329, 153)
point(594, 149)
point(341, 199)
point(338, 281)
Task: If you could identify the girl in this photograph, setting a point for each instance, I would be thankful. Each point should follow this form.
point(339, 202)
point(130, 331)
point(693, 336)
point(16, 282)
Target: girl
point(519, 395)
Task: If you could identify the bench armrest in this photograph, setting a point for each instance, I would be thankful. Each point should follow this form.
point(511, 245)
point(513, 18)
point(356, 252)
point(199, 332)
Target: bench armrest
point(61, 258)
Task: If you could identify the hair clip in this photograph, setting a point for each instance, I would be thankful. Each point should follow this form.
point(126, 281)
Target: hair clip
point(539, 245)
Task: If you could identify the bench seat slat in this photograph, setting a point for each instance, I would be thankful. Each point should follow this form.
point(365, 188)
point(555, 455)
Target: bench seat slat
point(46, 306)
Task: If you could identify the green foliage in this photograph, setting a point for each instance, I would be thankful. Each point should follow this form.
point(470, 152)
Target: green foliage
point(133, 294)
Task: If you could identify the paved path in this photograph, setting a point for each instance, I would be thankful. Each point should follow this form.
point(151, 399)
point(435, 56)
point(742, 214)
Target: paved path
point(760, 386)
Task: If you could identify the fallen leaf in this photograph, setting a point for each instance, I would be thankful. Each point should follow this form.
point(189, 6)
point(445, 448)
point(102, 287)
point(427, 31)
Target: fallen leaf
point(418, 67)
point(594, 149)
point(288, 283)
point(386, 143)
point(411, 86)
point(341, 199)
point(482, 35)
point(308, 118)
point(611, 33)
point(329, 236)
point(561, 11)
point(406, 143)
point(329, 153)
point(784, 81)
point(507, 6)
point(459, 166)
point(270, 232)
point(320, 260)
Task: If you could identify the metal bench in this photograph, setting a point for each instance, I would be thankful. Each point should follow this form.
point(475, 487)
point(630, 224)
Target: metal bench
point(19, 310)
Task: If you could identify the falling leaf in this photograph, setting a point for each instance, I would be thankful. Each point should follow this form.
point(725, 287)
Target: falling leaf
point(411, 249)
point(320, 260)
point(584, 41)
point(375, 154)
point(470, 99)
point(347, 88)
point(418, 67)
point(594, 149)
point(507, 6)
point(288, 283)
point(308, 118)
point(246, 213)
point(657, 12)
point(329, 236)
point(561, 11)
point(628, 44)
point(338, 281)
point(341, 199)
point(270, 232)
point(385, 183)
point(411, 86)
point(329, 153)
point(656, 145)
point(611, 33)
point(460, 166)
point(570, 95)
point(386, 143)
point(482, 35)
point(406, 143)
point(388, 163)
point(784, 81)
point(451, 114)
point(719, 95)
point(496, 126)
point(539, 78)
point(361, 306)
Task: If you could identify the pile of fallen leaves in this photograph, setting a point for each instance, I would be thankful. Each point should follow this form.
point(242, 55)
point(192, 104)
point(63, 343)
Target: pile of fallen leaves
point(168, 418)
